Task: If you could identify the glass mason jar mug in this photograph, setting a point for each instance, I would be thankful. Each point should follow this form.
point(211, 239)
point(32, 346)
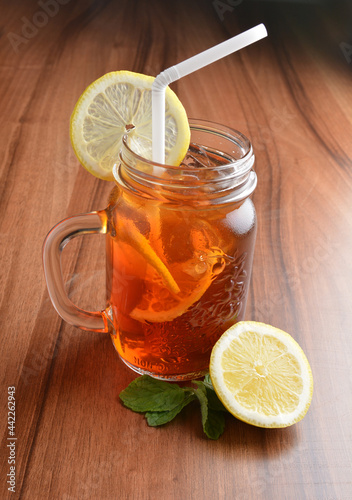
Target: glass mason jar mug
point(179, 251)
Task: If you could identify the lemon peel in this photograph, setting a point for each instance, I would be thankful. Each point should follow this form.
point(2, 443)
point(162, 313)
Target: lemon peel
point(261, 375)
point(118, 102)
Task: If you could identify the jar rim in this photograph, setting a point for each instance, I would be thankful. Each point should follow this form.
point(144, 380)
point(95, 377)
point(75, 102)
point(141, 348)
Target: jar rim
point(204, 126)
point(226, 182)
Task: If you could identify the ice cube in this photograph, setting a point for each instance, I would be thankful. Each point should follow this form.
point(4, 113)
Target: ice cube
point(197, 157)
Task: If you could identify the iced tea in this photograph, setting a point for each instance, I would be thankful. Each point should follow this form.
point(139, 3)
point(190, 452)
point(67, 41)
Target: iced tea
point(178, 267)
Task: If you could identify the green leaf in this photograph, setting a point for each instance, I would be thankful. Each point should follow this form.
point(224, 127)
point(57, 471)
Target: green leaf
point(162, 401)
point(213, 420)
point(215, 424)
point(203, 400)
point(213, 401)
point(148, 394)
point(155, 418)
point(207, 382)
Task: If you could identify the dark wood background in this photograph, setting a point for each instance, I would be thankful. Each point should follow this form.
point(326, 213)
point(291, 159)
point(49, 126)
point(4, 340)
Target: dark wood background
point(291, 94)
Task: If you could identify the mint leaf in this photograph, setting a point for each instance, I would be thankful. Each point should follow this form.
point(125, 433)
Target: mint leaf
point(155, 418)
point(207, 381)
point(211, 408)
point(214, 426)
point(148, 394)
point(161, 401)
point(203, 400)
point(213, 400)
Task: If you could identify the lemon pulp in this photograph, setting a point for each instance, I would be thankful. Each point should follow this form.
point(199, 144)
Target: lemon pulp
point(120, 102)
point(261, 375)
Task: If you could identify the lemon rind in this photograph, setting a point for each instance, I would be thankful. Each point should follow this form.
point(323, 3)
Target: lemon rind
point(226, 396)
point(176, 154)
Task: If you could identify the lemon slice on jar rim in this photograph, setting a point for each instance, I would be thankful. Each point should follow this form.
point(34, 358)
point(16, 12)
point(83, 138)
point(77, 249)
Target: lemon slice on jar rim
point(261, 375)
point(117, 102)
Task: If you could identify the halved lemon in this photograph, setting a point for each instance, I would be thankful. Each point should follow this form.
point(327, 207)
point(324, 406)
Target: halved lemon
point(261, 375)
point(118, 102)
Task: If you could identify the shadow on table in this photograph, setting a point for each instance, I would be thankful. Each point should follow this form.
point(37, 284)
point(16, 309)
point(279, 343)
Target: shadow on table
point(84, 377)
point(239, 437)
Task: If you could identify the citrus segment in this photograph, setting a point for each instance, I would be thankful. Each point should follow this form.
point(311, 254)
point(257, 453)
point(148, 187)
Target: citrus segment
point(193, 278)
point(261, 375)
point(129, 233)
point(118, 102)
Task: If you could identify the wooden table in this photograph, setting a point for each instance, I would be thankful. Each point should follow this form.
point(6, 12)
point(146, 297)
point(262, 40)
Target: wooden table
point(290, 93)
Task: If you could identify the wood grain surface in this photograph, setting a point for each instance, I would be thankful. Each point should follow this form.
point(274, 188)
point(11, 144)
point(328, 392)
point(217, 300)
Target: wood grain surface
point(292, 95)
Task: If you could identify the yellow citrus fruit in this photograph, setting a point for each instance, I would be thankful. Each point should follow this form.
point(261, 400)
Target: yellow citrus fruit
point(193, 277)
point(129, 233)
point(117, 103)
point(261, 375)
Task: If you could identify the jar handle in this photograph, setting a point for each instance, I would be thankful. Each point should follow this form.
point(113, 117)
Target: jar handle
point(56, 240)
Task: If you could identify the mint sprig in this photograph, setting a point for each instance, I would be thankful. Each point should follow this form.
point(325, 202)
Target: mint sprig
point(155, 418)
point(161, 401)
point(148, 394)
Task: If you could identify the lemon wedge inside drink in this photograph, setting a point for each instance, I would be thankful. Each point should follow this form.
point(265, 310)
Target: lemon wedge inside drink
point(129, 233)
point(261, 375)
point(193, 278)
point(117, 103)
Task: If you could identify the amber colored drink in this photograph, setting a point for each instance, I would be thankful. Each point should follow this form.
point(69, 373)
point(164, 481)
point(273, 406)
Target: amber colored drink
point(177, 273)
point(179, 245)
